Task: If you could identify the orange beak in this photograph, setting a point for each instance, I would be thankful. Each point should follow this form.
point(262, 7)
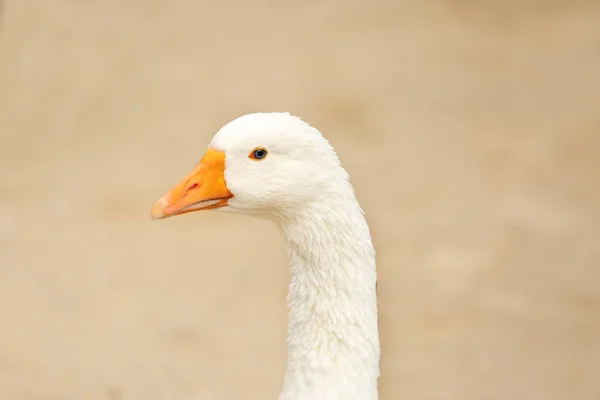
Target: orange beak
point(204, 188)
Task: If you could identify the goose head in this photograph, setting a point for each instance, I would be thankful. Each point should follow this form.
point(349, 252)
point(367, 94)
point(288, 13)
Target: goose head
point(275, 166)
point(264, 164)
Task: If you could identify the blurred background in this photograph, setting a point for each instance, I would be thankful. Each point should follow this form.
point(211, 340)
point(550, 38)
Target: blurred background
point(470, 130)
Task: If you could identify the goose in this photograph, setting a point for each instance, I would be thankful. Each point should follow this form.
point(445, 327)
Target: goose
point(277, 167)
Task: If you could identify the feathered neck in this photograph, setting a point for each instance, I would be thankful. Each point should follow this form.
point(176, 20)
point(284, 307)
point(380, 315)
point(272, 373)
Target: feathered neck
point(333, 341)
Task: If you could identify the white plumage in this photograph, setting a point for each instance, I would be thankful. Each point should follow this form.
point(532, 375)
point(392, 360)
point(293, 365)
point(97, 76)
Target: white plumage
point(300, 185)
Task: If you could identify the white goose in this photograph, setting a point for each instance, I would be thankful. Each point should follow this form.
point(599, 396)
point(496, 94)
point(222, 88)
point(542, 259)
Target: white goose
point(275, 166)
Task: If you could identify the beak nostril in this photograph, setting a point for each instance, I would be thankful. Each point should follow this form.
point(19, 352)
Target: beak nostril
point(191, 187)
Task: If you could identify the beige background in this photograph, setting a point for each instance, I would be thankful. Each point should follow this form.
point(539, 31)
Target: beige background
point(470, 129)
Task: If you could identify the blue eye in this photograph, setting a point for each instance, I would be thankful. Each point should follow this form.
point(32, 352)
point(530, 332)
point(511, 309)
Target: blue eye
point(258, 154)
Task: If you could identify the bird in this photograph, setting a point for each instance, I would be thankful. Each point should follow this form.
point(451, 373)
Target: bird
point(276, 166)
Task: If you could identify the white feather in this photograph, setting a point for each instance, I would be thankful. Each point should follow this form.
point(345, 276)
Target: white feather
point(333, 340)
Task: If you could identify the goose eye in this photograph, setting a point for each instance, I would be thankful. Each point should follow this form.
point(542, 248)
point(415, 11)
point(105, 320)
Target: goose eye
point(258, 154)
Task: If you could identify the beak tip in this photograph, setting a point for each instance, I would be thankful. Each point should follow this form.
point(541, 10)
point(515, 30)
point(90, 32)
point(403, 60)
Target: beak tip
point(158, 209)
point(156, 214)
